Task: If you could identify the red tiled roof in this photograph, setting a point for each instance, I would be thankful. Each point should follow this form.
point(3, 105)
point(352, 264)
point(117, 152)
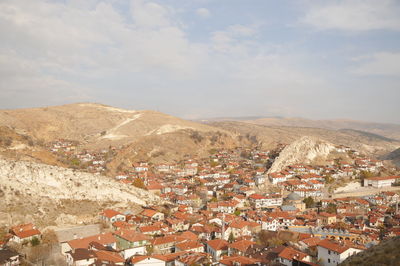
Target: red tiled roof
point(218, 244)
point(290, 254)
point(103, 239)
point(109, 213)
point(333, 246)
point(187, 245)
point(131, 235)
point(242, 245)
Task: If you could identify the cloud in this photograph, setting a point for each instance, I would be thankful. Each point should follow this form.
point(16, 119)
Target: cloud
point(150, 14)
point(354, 15)
point(203, 12)
point(383, 64)
point(52, 51)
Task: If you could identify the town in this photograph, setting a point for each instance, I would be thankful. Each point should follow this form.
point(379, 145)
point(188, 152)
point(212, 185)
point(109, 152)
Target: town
point(227, 209)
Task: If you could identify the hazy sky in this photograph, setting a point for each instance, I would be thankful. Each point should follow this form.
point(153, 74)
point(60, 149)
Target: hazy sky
point(205, 58)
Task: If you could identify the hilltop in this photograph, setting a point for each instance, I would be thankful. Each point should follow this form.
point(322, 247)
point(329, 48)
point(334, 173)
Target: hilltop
point(139, 135)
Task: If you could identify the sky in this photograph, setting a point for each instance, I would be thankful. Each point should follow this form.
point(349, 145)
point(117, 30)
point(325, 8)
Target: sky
point(205, 58)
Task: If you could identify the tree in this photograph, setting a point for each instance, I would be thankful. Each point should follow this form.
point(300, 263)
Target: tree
point(329, 179)
point(331, 208)
point(231, 238)
point(237, 212)
point(213, 199)
point(363, 175)
point(50, 238)
point(309, 201)
point(35, 241)
point(139, 183)
point(149, 249)
point(3, 232)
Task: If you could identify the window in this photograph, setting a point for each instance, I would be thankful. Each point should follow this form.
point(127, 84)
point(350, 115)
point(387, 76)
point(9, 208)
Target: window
point(329, 252)
point(329, 260)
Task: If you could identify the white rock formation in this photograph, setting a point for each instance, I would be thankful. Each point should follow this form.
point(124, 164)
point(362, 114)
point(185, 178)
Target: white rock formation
point(304, 150)
point(45, 181)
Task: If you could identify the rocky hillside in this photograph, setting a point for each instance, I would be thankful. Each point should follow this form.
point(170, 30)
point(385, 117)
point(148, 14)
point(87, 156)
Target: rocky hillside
point(144, 135)
point(94, 124)
point(393, 156)
point(32, 189)
point(304, 150)
point(269, 136)
point(385, 253)
point(157, 137)
point(391, 131)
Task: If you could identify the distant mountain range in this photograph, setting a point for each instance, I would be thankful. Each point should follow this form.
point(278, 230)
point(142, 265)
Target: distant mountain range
point(391, 131)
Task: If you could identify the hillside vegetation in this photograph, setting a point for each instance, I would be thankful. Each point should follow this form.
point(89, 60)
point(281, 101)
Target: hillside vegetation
point(384, 254)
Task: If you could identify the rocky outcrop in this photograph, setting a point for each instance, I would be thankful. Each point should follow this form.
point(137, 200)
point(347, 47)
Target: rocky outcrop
point(51, 195)
point(29, 178)
point(303, 150)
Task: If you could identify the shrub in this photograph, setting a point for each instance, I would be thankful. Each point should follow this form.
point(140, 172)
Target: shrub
point(35, 241)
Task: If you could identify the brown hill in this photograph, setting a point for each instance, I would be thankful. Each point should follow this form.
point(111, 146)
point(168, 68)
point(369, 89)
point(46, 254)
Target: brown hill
point(141, 135)
point(391, 131)
point(157, 137)
point(270, 136)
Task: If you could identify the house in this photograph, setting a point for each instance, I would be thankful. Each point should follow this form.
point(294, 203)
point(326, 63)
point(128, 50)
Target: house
point(216, 248)
point(80, 257)
point(24, 233)
point(9, 257)
point(166, 244)
point(240, 247)
point(194, 246)
point(267, 201)
point(288, 254)
point(331, 253)
point(238, 228)
point(106, 257)
point(131, 242)
point(150, 230)
point(327, 218)
point(71, 233)
point(277, 220)
point(154, 260)
point(152, 214)
point(276, 178)
point(104, 239)
point(381, 181)
point(111, 216)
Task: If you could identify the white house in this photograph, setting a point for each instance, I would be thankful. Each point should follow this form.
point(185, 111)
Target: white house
point(216, 248)
point(380, 181)
point(332, 253)
point(276, 178)
point(112, 216)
